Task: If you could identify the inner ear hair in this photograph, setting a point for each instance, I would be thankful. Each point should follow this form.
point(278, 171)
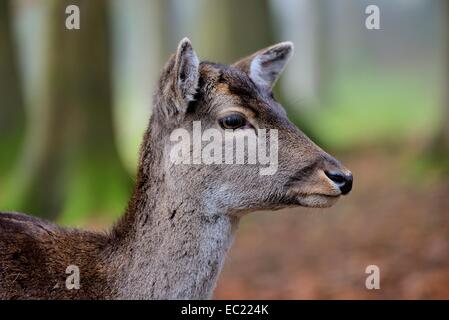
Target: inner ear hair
point(265, 66)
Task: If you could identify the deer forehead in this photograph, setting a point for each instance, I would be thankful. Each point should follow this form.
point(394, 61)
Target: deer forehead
point(229, 89)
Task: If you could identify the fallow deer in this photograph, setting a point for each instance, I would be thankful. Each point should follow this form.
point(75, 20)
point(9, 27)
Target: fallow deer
point(179, 224)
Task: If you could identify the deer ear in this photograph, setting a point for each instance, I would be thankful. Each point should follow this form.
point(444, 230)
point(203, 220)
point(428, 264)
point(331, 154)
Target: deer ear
point(186, 72)
point(265, 66)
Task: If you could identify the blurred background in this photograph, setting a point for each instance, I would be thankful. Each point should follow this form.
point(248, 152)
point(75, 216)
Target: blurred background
point(74, 105)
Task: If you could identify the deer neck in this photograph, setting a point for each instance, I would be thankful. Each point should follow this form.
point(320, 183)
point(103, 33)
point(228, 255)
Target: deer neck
point(169, 246)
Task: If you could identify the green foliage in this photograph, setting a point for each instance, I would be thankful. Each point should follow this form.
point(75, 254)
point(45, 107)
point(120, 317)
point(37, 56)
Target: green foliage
point(376, 107)
point(98, 188)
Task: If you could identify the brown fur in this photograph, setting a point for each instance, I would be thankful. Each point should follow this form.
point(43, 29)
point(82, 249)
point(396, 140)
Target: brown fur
point(180, 221)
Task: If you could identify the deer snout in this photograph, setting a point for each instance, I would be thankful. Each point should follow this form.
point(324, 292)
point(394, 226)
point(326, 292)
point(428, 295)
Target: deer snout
point(343, 180)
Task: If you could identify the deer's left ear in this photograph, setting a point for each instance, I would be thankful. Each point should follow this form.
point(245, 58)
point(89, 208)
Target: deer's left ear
point(265, 66)
point(186, 70)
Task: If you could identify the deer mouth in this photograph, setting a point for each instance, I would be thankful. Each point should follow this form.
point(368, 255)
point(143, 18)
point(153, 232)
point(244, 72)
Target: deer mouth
point(317, 200)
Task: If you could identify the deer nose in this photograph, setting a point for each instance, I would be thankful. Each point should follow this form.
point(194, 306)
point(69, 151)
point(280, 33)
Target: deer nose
point(343, 181)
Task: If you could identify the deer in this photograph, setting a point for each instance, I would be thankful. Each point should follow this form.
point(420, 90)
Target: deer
point(181, 220)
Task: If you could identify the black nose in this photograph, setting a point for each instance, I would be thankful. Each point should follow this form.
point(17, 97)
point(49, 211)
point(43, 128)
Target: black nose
point(343, 181)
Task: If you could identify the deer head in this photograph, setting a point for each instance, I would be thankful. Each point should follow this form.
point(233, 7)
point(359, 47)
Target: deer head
point(173, 238)
point(238, 98)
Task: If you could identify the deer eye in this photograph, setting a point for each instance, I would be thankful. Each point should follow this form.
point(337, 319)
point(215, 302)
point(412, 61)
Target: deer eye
point(232, 121)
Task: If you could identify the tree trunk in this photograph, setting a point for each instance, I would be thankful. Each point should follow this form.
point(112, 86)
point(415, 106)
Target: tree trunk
point(445, 128)
point(438, 147)
point(229, 30)
point(80, 172)
point(11, 104)
point(140, 50)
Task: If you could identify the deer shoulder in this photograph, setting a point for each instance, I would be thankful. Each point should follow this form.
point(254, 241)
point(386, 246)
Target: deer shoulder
point(35, 255)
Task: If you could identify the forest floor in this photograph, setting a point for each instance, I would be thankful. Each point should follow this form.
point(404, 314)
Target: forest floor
point(392, 219)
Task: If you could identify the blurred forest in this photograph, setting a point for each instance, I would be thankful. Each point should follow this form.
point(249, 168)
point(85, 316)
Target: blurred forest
point(74, 105)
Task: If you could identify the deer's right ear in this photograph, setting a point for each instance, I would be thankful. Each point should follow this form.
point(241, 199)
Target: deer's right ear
point(179, 80)
point(186, 71)
point(185, 75)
